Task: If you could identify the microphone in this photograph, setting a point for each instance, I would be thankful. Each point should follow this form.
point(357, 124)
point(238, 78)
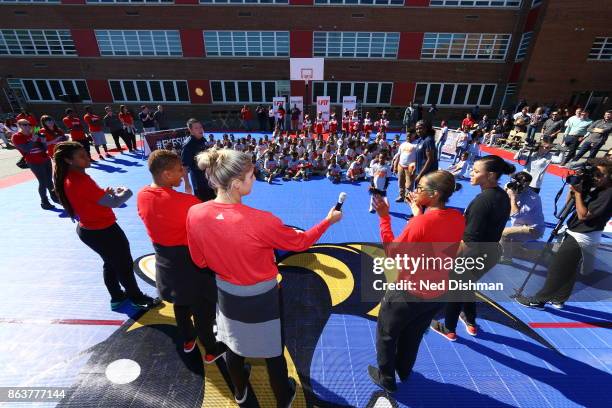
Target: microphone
point(341, 199)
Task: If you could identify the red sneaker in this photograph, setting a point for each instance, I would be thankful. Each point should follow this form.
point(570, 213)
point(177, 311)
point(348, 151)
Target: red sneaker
point(189, 346)
point(439, 328)
point(211, 358)
point(470, 328)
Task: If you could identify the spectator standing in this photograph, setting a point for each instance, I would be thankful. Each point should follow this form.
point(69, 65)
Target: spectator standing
point(575, 129)
point(271, 118)
point(160, 118)
point(598, 135)
point(146, 117)
point(125, 116)
point(552, 126)
point(535, 124)
point(77, 133)
point(96, 129)
point(52, 133)
point(295, 117)
point(262, 116)
point(115, 127)
point(195, 144)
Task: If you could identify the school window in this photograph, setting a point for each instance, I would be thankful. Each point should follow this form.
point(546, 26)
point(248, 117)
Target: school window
point(50, 90)
point(367, 93)
point(242, 91)
point(524, 45)
point(476, 3)
point(129, 1)
point(348, 44)
point(149, 91)
point(232, 2)
point(154, 43)
point(474, 46)
point(601, 49)
point(36, 42)
point(30, 1)
point(246, 43)
point(445, 94)
point(359, 2)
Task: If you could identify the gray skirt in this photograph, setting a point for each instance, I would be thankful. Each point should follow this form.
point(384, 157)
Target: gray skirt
point(99, 138)
point(249, 318)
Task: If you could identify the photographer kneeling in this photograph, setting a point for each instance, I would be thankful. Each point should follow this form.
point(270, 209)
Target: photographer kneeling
point(584, 229)
point(525, 214)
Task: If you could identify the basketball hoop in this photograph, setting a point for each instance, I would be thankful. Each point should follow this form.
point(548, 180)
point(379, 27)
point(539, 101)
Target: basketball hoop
point(306, 74)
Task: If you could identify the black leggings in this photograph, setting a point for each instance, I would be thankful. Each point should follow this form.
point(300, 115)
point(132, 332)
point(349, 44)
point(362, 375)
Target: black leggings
point(203, 314)
point(44, 175)
point(130, 139)
point(562, 272)
point(277, 372)
point(114, 248)
point(453, 310)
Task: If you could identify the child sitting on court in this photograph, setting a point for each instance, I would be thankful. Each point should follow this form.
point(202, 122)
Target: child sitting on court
point(271, 168)
point(459, 169)
point(356, 171)
point(334, 172)
point(292, 167)
point(304, 167)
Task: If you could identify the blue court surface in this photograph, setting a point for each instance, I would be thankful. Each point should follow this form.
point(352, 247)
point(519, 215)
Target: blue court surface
point(57, 330)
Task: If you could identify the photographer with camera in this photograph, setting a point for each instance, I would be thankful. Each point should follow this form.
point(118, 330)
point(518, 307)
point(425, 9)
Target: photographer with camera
point(591, 191)
point(526, 215)
point(537, 159)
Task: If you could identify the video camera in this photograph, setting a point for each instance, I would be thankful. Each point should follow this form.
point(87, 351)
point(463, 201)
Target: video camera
point(519, 182)
point(583, 176)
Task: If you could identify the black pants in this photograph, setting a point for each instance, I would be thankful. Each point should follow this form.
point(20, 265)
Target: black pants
point(114, 248)
point(402, 321)
point(117, 134)
point(593, 148)
point(536, 189)
point(562, 272)
point(203, 313)
point(277, 372)
point(454, 309)
point(204, 193)
point(130, 140)
point(271, 121)
point(262, 124)
point(44, 175)
point(572, 144)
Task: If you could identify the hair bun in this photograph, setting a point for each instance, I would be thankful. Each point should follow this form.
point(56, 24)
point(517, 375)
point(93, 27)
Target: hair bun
point(510, 168)
point(458, 186)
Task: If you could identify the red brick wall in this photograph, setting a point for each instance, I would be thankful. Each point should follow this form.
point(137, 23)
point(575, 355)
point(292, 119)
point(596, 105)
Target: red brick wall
point(85, 43)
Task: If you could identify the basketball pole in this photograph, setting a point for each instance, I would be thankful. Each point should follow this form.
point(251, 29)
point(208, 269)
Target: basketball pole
point(306, 100)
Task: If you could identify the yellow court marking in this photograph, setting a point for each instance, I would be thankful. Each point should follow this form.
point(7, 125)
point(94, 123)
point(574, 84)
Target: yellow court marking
point(374, 312)
point(163, 314)
point(335, 247)
point(335, 273)
point(147, 266)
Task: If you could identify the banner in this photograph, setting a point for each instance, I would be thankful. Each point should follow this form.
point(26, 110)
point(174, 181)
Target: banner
point(298, 102)
point(450, 146)
point(323, 106)
point(157, 140)
point(349, 103)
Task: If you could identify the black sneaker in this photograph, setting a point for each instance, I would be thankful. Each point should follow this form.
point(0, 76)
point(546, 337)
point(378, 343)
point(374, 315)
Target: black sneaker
point(145, 302)
point(375, 376)
point(46, 205)
point(557, 305)
point(116, 303)
point(292, 391)
point(528, 302)
point(55, 198)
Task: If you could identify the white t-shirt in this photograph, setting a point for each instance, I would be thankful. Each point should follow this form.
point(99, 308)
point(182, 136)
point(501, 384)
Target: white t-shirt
point(380, 172)
point(407, 152)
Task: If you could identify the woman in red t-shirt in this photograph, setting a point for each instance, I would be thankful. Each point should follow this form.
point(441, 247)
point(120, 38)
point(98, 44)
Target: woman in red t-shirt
point(126, 118)
point(191, 290)
point(53, 134)
point(405, 315)
point(238, 242)
point(33, 148)
point(97, 227)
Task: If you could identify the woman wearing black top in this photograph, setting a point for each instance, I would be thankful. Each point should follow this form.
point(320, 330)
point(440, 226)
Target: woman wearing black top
point(486, 218)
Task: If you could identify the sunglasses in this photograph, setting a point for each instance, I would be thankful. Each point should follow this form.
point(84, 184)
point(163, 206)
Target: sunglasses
point(420, 189)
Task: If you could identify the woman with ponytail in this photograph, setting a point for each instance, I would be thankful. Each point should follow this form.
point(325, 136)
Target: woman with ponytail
point(405, 314)
point(52, 134)
point(237, 242)
point(97, 226)
point(486, 218)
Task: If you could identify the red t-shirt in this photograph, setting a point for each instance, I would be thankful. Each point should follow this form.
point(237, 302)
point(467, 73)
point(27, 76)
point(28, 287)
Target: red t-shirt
point(333, 126)
point(84, 194)
point(126, 118)
point(442, 226)
point(52, 137)
point(74, 127)
point(30, 118)
point(164, 213)
point(94, 122)
point(237, 242)
point(467, 122)
point(36, 155)
point(246, 114)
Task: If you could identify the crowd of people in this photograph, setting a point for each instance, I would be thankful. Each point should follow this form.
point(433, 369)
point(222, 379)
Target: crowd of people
point(206, 239)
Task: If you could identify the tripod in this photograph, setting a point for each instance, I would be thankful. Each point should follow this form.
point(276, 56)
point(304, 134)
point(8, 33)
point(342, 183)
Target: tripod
point(565, 212)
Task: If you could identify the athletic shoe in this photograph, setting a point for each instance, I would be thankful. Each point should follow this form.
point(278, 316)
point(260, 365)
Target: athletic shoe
point(115, 304)
point(439, 328)
point(108, 156)
point(189, 346)
point(372, 210)
point(557, 305)
point(375, 376)
point(247, 369)
point(528, 302)
point(292, 391)
point(470, 328)
point(145, 302)
point(210, 358)
point(46, 205)
point(399, 199)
